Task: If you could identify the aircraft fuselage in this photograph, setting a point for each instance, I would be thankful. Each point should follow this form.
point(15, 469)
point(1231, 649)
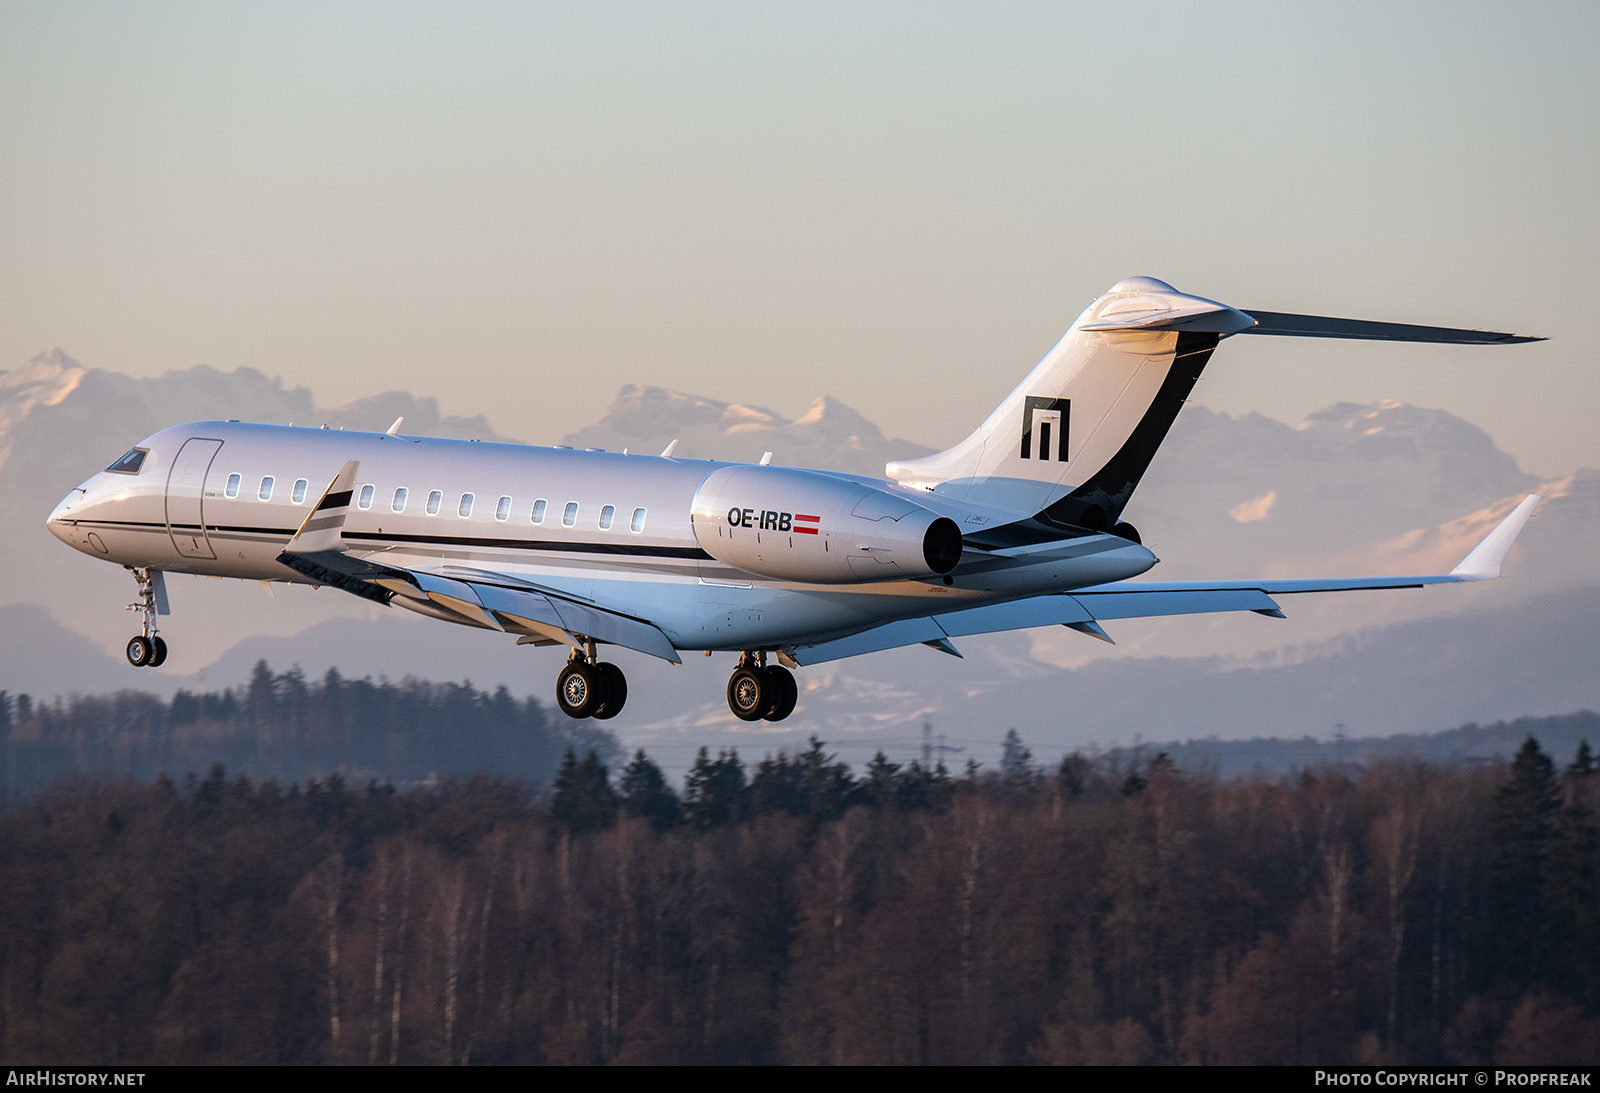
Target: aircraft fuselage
point(614, 529)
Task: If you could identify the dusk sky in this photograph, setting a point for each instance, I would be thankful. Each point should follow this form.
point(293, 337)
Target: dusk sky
point(518, 208)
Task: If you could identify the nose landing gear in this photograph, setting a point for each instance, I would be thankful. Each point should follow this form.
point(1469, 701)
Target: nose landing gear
point(148, 650)
point(760, 691)
point(588, 688)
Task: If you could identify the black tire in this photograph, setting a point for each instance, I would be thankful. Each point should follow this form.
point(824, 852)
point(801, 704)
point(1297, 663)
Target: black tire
point(616, 691)
point(580, 690)
point(785, 693)
point(140, 652)
point(748, 693)
point(159, 656)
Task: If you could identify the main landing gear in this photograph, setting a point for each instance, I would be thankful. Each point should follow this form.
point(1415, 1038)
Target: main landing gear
point(757, 690)
point(147, 650)
point(588, 688)
point(760, 691)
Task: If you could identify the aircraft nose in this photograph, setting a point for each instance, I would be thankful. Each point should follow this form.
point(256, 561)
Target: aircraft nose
point(60, 521)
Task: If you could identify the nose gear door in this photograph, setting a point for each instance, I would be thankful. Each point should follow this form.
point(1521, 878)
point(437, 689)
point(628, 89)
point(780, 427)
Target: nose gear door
point(186, 497)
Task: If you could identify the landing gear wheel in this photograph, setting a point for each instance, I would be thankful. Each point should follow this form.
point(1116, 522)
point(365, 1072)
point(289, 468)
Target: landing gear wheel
point(749, 693)
point(784, 692)
point(158, 656)
point(616, 687)
point(141, 653)
point(580, 690)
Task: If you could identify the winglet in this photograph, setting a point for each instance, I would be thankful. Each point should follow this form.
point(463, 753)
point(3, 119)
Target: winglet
point(1483, 564)
point(394, 430)
point(1092, 628)
point(324, 528)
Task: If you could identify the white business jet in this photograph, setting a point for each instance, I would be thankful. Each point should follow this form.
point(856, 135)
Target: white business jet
point(1019, 525)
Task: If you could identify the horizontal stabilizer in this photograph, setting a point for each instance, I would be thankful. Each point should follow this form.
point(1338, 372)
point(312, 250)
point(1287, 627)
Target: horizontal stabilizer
point(1322, 326)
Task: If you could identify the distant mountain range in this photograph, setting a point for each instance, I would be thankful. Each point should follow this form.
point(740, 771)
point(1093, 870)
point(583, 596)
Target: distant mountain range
point(1387, 488)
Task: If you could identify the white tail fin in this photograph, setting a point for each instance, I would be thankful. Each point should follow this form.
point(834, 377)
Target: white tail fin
point(1071, 442)
point(1069, 445)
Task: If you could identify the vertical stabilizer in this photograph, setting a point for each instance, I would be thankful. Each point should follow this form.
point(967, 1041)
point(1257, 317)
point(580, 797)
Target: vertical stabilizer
point(1072, 441)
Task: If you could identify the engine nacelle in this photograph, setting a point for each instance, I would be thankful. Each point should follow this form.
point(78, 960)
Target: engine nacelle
point(808, 526)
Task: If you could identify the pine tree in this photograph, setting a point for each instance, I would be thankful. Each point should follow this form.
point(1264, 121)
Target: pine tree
point(825, 782)
point(1523, 836)
point(1582, 763)
point(714, 791)
point(583, 799)
point(644, 792)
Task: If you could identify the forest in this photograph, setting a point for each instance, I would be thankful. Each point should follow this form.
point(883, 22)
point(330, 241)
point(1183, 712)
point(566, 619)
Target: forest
point(285, 727)
point(1113, 909)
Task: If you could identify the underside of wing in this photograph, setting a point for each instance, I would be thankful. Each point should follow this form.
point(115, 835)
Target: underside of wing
point(1081, 613)
point(1082, 609)
point(489, 600)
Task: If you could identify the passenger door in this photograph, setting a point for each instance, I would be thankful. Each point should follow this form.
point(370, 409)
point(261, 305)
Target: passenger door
point(186, 497)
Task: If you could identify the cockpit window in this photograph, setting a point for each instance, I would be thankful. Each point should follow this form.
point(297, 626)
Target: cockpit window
point(130, 463)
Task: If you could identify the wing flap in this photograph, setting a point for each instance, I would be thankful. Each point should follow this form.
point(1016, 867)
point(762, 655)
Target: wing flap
point(574, 618)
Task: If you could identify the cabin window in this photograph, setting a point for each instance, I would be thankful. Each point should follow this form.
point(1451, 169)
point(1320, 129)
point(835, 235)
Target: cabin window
point(435, 499)
point(464, 509)
point(299, 494)
point(538, 511)
point(233, 485)
point(265, 492)
point(502, 509)
point(607, 514)
point(637, 526)
point(399, 502)
point(130, 463)
point(365, 498)
point(570, 516)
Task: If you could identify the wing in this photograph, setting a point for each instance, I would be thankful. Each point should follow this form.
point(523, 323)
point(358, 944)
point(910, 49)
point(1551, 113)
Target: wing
point(1084, 608)
point(494, 601)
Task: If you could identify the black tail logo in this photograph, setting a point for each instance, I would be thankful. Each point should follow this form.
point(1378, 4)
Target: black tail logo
point(1046, 412)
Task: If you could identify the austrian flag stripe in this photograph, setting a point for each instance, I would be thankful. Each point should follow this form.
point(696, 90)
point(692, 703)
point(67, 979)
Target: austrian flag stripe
point(799, 519)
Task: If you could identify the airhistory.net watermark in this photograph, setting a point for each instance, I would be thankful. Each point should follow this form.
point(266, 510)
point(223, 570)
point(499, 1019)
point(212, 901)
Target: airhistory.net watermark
point(41, 1076)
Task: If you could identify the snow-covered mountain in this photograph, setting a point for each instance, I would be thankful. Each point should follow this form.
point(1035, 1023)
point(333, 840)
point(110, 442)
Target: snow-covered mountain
point(829, 434)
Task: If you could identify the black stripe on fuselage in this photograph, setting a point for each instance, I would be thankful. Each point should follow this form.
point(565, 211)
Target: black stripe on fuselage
point(694, 553)
point(148, 525)
point(442, 541)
